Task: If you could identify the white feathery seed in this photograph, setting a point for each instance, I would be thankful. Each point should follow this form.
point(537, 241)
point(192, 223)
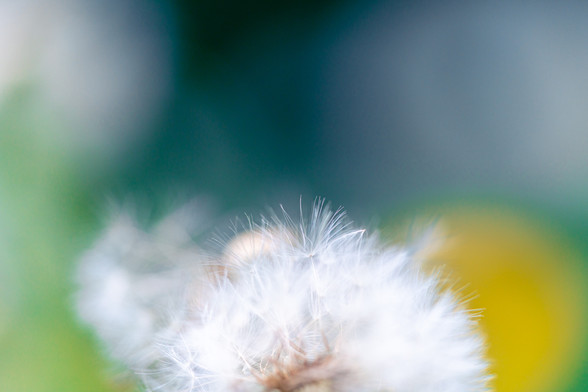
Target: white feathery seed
point(315, 306)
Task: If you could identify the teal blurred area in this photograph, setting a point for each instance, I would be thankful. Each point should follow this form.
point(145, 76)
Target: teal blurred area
point(381, 106)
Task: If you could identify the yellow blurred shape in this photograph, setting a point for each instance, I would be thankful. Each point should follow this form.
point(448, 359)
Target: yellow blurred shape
point(530, 288)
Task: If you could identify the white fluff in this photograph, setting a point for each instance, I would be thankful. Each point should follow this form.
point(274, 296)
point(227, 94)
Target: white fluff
point(311, 307)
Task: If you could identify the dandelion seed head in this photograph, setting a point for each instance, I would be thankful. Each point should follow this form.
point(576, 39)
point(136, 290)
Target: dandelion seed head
point(309, 306)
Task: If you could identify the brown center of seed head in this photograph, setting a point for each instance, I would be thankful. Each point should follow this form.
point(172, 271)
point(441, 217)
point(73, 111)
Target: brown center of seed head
point(305, 376)
point(292, 369)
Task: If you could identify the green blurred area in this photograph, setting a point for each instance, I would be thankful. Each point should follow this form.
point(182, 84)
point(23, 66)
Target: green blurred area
point(47, 223)
point(240, 128)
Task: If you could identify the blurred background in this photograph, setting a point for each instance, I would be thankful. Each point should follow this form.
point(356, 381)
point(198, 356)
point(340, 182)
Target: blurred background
point(469, 115)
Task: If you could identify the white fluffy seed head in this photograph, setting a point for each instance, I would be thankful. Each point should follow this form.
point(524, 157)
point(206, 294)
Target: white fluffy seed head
point(316, 306)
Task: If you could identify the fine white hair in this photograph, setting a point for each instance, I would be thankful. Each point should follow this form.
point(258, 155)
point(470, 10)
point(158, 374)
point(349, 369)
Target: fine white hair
point(309, 306)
